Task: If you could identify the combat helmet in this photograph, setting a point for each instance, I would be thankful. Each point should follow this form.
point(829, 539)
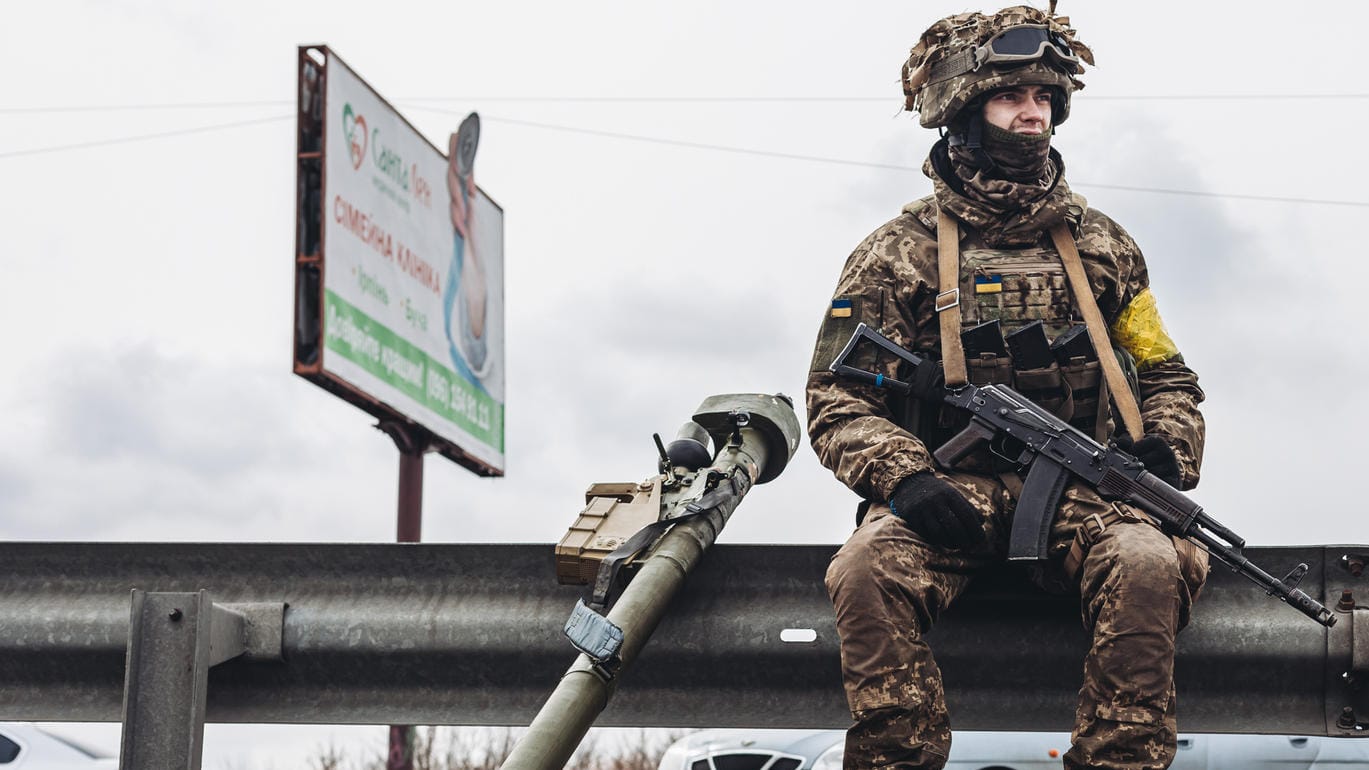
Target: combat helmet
point(962, 57)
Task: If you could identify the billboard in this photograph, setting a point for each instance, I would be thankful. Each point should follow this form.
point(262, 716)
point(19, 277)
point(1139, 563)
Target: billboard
point(399, 268)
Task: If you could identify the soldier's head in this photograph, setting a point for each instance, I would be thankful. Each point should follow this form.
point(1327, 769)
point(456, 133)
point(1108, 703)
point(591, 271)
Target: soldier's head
point(973, 66)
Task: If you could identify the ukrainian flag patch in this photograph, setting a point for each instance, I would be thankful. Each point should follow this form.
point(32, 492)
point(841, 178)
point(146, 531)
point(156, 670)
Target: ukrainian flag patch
point(841, 308)
point(988, 284)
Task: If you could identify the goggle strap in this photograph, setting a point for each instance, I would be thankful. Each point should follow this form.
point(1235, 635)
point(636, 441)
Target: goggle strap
point(955, 64)
point(971, 59)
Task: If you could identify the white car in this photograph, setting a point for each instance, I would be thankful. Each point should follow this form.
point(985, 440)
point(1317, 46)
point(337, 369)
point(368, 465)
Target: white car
point(822, 750)
point(29, 747)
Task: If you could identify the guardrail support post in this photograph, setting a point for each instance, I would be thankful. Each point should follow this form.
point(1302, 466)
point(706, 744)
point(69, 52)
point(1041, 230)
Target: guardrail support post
point(173, 640)
point(1347, 647)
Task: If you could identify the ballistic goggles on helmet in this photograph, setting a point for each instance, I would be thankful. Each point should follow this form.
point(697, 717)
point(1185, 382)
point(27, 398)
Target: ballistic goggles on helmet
point(1023, 43)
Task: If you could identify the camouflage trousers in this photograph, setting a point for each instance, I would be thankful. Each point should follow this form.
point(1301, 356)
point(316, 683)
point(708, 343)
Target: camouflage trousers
point(888, 586)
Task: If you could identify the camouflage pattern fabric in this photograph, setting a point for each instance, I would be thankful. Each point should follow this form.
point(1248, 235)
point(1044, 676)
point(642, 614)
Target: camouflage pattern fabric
point(1016, 157)
point(1005, 213)
point(937, 102)
point(888, 587)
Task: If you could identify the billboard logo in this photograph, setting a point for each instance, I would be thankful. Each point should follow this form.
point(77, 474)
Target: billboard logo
point(389, 161)
point(354, 129)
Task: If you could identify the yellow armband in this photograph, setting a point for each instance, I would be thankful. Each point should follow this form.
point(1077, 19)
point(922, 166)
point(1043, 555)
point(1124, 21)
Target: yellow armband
point(1141, 332)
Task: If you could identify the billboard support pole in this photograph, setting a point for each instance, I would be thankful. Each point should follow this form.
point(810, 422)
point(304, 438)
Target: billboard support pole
point(412, 442)
point(410, 526)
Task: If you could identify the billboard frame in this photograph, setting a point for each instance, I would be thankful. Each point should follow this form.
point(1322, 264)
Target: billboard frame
point(310, 263)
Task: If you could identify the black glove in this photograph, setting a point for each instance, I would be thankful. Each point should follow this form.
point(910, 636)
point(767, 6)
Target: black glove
point(934, 509)
point(1156, 454)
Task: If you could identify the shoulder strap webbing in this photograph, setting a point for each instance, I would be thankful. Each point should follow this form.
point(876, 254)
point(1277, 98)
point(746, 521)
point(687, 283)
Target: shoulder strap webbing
point(948, 299)
point(1098, 330)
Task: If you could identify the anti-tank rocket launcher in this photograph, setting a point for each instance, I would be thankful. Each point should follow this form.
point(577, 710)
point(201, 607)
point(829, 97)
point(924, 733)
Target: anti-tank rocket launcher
point(1053, 452)
point(637, 542)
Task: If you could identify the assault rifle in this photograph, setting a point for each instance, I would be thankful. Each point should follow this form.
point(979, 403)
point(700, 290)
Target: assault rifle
point(1054, 451)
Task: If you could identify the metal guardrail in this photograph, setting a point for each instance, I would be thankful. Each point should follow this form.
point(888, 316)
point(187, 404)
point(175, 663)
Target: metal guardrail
point(471, 634)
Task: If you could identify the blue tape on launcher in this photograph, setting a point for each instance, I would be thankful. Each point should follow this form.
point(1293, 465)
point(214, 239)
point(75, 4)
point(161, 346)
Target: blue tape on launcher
point(593, 634)
point(841, 308)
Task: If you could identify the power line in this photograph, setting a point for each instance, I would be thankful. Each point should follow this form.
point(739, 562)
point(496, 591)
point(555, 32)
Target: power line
point(1215, 97)
point(671, 143)
point(891, 166)
point(684, 143)
point(1237, 196)
point(155, 106)
point(144, 107)
point(894, 98)
point(142, 137)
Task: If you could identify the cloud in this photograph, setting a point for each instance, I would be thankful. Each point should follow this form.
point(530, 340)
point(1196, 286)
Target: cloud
point(161, 409)
point(135, 442)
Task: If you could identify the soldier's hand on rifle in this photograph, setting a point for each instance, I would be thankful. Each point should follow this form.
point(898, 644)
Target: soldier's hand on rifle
point(1156, 454)
point(934, 509)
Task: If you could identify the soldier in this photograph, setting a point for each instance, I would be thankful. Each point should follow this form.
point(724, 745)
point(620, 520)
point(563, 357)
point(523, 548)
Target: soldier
point(998, 85)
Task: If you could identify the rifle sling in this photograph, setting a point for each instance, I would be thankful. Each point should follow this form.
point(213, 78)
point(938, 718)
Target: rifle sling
point(1098, 330)
point(948, 299)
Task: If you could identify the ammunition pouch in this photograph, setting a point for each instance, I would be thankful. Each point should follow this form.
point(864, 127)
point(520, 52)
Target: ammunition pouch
point(989, 369)
point(1083, 378)
point(1045, 386)
point(1048, 388)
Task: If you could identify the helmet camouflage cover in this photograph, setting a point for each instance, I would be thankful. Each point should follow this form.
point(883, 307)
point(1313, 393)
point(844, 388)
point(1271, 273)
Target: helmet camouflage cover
point(937, 102)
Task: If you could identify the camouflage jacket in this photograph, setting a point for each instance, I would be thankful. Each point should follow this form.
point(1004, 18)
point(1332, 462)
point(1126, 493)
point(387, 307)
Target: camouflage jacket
point(890, 282)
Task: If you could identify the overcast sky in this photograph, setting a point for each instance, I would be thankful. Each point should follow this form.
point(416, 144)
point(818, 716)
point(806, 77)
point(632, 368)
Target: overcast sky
point(147, 294)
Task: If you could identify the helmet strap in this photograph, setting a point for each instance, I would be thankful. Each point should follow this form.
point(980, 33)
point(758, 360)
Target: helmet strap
point(974, 134)
point(970, 135)
point(1058, 102)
